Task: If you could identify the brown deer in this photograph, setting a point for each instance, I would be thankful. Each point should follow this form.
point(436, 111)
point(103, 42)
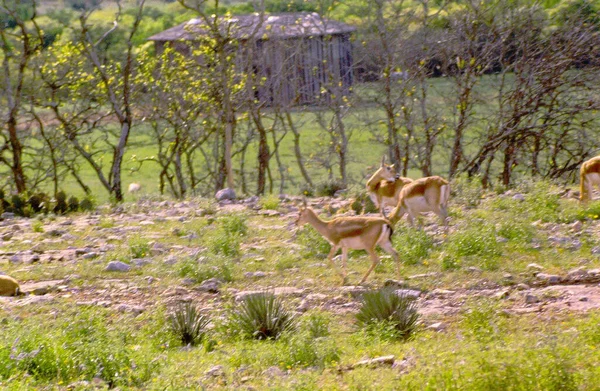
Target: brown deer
point(384, 186)
point(352, 233)
point(589, 176)
point(429, 194)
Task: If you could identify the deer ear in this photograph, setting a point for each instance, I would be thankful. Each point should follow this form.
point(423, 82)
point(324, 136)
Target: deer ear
point(392, 166)
point(383, 161)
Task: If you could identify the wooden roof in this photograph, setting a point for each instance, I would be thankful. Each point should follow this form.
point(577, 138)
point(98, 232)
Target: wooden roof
point(283, 26)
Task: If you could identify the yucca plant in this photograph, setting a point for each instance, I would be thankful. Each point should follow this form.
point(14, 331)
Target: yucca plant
point(386, 309)
point(188, 324)
point(261, 316)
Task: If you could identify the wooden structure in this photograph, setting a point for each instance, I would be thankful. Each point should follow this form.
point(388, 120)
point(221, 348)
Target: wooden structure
point(301, 58)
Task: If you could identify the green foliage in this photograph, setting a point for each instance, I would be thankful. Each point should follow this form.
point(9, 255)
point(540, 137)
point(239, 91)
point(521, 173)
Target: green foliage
point(413, 244)
point(303, 350)
point(37, 226)
point(261, 316)
point(329, 188)
point(481, 321)
point(467, 191)
point(306, 190)
point(286, 261)
point(313, 243)
point(516, 230)
point(87, 204)
point(202, 269)
point(478, 238)
point(61, 205)
point(73, 204)
point(387, 313)
point(270, 202)
point(139, 247)
point(188, 324)
point(316, 324)
point(39, 202)
point(449, 262)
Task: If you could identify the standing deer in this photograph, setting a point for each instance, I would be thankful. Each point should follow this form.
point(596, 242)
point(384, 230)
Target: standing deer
point(352, 233)
point(429, 194)
point(589, 176)
point(384, 186)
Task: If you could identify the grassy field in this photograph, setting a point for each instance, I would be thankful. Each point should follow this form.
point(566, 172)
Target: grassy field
point(96, 328)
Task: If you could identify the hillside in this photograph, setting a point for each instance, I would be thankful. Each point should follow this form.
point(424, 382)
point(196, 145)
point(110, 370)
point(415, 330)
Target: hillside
point(503, 297)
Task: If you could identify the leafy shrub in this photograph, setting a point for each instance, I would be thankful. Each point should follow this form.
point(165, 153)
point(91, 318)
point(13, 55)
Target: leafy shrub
point(188, 324)
point(467, 191)
point(385, 310)
point(39, 202)
point(61, 206)
point(285, 261)
point(413, 244)
point(313, 243)
point(261, 316)
point(481, 321)
point(515, 230)
point(37, 226)
point(329, 188)
point(87, 204)
point(316, 324)
point(203, 269)
point(139, 248)
point(303, 350)
point(234, 225)
point(307, 190)
point(478, 238)
point(270, 202)
point(73, 204)
point(449, 262)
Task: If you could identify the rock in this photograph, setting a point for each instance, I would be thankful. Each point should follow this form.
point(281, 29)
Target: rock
point(518, 197)
point(225, 194)
point(535, 267)
point(501, 239)
point(9, 286)
point(531, 299)
point(583, 298)
point(523, 287)
point(394, 283)
point(574, 245)
point(474, 269)
point(594, 272)
point(139, 262)
point(7, 236)
point(211, 285)
point(117, 266)
point(280, 291)
point(135, 309)
point(383, 360)
point(576, 226)
point(437, 327)
point(8, 215)
point(215, 371)
point(577, 274)
point(426, 275)
point(170, 260)
point(353, 290)
point(549, 278)
point(507, 276)
point(504, 294)
point(255, 274)
point(273, 372)
point(68, 237)
point(410, 293)
point(596, 250)
point(91, 255)
point(56, 232)
point(188, 281)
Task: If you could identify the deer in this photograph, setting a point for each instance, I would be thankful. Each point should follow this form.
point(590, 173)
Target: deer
point(429, 194)
point(589, 176)
point(384, 186)
point(9, 286)
point(352, 233)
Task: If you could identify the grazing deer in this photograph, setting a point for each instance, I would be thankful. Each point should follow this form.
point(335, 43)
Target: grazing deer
point(384, 186)
point(429, 194)
point(589, 176)
point(352, 233)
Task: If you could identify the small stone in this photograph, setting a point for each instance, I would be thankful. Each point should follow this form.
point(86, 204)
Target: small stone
point(383, 360)
point(139, 262)
point(215, 371)
point(425, 275)
point(394, 283)
point(577, 226)
point(501, 239)
point(474, 269)
point(575, 245)
point(437, 327)
point(211, 285)
point(596, 250)
point(518, 197)
point(91, 255)
point(273, 372)
point(135, 309)
point(117, 266)
point(535, 266)
point(255, 274)
point(225, 194)
point(353, 290)
point(549, 278)
point(170, 260)
point(7, 236)
point(507, 276)
point(576, 274)
point(523, 287)
point(410, 293)
point(502, 295)
point(583, 298)
point(531, 299)
point(188, 281)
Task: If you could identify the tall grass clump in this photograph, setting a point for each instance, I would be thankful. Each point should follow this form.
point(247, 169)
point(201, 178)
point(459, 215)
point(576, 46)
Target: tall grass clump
point(516, 230)
point(139, 247)
point(261, 316)
point(467, 191)
point(228, 235)
point(388, 314)
point(313, 243)
point(188, 324)
point(202, 268)
point(476, 239)
point(413, 244)
point(270, 202)
point(481, 321)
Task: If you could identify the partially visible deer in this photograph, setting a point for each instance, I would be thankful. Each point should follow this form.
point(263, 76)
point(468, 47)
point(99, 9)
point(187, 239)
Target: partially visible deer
point(384, 186)
point(352, 233)
point(589, 176)
point(429, 194)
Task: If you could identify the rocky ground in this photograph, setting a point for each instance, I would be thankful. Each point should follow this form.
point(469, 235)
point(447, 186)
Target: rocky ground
point(54, 259)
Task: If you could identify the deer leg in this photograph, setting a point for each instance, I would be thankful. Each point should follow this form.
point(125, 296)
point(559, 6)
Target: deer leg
point(374, 261)
point(332, 252)
point(389, 248)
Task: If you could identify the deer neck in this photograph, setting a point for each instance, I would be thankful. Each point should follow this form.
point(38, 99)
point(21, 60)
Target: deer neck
point(318, 224)
point(374, 181)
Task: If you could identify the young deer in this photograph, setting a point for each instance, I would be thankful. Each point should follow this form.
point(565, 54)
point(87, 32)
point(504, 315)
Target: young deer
point(589, 176)
point(352, 233)
point(384, 186)
point(429, 194)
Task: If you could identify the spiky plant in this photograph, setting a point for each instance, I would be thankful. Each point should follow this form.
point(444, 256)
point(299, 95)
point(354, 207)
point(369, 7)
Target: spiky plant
point(73, 204)
point(261, 316)
point(387, 308)
point(188, 324)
